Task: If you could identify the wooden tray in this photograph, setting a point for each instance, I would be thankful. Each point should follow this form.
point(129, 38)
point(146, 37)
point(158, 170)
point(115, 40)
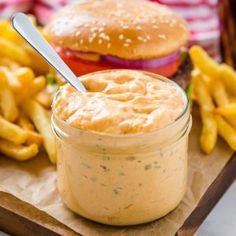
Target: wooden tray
point(20, 218)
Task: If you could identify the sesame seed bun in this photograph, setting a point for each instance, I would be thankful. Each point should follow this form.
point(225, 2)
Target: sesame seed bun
point(129, 29)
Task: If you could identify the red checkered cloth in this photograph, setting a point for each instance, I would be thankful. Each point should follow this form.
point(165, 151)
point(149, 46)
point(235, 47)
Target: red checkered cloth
point(203, 20)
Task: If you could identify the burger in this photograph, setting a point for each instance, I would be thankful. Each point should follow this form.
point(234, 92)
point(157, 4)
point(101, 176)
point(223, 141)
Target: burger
point(93, 35)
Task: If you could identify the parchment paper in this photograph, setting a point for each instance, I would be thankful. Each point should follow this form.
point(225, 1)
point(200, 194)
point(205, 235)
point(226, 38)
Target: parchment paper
point(35, 182)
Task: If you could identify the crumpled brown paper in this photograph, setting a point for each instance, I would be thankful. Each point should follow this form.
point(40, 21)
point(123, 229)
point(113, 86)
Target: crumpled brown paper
point(35, 182)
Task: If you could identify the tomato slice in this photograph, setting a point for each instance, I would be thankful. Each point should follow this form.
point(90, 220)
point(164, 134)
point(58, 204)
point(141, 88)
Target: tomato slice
point(81, 67)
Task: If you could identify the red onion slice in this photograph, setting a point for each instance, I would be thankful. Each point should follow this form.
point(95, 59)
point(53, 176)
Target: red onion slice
point(129, 64)
point(141, 64)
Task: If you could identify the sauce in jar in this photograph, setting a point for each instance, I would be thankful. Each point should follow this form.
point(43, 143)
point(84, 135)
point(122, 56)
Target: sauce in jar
point(122, 146)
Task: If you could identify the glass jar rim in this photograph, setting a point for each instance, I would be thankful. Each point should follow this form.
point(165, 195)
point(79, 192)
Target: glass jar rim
point(78, 131)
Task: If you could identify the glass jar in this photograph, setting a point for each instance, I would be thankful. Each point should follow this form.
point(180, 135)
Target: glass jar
point(123, 179)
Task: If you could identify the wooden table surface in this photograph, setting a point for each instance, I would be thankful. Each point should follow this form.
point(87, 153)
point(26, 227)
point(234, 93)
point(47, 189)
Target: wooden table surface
point(20, 218)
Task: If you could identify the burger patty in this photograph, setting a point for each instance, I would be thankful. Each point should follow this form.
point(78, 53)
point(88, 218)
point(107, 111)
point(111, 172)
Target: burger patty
point(183, 74)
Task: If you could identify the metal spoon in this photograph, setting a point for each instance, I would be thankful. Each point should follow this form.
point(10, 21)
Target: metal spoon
point(25, 28)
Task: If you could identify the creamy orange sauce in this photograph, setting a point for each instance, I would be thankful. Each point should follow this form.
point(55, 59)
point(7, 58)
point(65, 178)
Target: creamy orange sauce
point(120, 102)
point(121, 179)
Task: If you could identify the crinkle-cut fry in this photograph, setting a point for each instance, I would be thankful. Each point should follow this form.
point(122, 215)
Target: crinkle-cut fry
point(41, 120)
point(228, 76)
point(34, 137)
point(11, 78)
point(7, 101)
point(204, 62)
point(208, 136)
point(228, 109)
point(24, 122)
point(227, 132)
point(17, 151)
point(12, 132)
point(13, 51)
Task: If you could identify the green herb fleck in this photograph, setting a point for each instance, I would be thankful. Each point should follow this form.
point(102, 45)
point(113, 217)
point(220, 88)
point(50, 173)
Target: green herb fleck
point(51, 79)
point(148, 167)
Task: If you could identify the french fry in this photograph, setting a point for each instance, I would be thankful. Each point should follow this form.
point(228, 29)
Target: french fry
point(41, 121)
point(201, 92)
point(25, 76)
point(34, 138)
point(38, 84)
point(227, 132)
point(204, 62)
point(18, 152)
point(228, 109)
point(208, 136)
point(11, 78)
point(44, 98)
point(33, 87)
point(7, 103)
point(13, 51)
point(24, 122)
point(10, 64)
point(12, 132)
point(10, 34)
point(228, 76)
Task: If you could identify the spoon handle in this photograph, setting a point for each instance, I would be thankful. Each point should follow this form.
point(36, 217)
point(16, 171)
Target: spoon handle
point(25, 28)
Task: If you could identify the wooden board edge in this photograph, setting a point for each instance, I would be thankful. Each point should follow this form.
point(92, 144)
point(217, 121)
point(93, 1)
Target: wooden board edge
point(210, 198)
point(21, 218)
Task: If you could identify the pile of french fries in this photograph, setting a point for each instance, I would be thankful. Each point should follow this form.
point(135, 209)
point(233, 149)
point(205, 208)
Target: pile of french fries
point(24, 99)
point(214, 90)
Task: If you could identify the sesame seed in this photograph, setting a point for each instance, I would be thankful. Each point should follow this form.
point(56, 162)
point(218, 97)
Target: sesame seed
point(162, 36)
point(100, 41)
point(128, 40)
point(102, 35)
point(140, 38)
point(94, 35)
point(138, 27)
point(77, 33)
point(125, 26)
point(126, 45)
point(121, 36)
point(155, 26)
point(153, 21)
point(81, 41)
point(107, 38)
point(148, 37)
point(108, 45)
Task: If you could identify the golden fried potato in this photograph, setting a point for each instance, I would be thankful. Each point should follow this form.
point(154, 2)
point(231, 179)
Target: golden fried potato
point(13, 51)
point(204, 62)
point(227, 132)
point(41, 120)
point(17, 151)
point(12, 132)
point(7, 102)
point(209, 133)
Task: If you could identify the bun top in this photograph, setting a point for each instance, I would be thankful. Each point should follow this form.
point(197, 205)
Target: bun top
point(129, 29)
